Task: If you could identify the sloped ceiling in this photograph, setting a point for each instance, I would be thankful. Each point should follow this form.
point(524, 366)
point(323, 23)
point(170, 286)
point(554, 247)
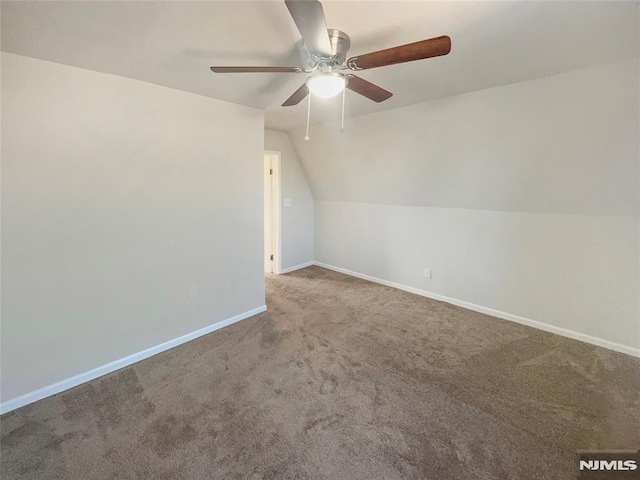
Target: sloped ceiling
point(564, 144)
point(174, 43)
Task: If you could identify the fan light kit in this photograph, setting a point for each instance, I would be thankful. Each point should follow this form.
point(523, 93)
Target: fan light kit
point(326, 84)
point(328, 56)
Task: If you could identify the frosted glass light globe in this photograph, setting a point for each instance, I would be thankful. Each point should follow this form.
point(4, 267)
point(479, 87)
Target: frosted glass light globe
point(326, 85)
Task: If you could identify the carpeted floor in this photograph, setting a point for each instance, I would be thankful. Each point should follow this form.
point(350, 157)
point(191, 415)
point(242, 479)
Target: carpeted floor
point(340, 379)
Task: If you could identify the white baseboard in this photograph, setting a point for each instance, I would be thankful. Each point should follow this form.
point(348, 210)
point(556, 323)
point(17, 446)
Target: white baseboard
point(76, 380)
point(495, 313)
point(296, 267)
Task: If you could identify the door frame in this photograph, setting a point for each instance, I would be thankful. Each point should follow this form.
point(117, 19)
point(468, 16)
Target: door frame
point(276, 210)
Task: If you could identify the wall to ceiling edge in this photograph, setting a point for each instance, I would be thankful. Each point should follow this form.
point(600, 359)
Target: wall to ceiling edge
point(522, 199)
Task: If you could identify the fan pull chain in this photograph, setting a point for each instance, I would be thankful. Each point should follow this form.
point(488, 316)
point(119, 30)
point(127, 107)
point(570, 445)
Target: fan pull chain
point(306, 137)
point(344, 93)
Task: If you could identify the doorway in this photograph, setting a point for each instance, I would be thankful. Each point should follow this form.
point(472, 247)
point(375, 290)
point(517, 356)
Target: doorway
point(272, 212)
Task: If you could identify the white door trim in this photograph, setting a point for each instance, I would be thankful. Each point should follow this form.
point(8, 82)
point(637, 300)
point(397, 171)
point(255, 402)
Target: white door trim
point(276, 219)
point(269, 241)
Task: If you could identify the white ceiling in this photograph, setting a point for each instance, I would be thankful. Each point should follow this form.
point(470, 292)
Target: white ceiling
point(174, 43)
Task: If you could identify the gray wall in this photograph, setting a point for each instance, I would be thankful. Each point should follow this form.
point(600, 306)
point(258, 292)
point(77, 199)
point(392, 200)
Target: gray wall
point(118, 195)
point(522, 198)
point(297, 219)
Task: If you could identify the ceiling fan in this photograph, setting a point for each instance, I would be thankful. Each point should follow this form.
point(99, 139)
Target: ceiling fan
point(328, 58)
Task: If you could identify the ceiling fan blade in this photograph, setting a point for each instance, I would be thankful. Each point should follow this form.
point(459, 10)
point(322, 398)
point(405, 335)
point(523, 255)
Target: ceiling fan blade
point(367, 89)
point(433, 47)
point(217, 69)
point(297, 96)
point(309, 18)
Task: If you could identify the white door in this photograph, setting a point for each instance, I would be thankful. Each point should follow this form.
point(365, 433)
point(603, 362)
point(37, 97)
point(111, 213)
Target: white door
point(269, 243)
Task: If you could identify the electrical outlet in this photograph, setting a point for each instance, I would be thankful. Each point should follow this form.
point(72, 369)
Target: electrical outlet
point(287, 202)
point(427, 273)
point(193, 291)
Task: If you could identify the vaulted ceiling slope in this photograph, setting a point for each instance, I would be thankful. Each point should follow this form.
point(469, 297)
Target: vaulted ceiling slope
point(174, 43)
point(564, 144)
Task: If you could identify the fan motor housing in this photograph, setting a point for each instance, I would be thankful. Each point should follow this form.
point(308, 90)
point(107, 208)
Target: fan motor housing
point(340, 43)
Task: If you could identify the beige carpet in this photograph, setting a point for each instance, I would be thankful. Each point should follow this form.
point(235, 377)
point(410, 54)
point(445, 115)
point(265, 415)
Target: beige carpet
point(341, 379)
